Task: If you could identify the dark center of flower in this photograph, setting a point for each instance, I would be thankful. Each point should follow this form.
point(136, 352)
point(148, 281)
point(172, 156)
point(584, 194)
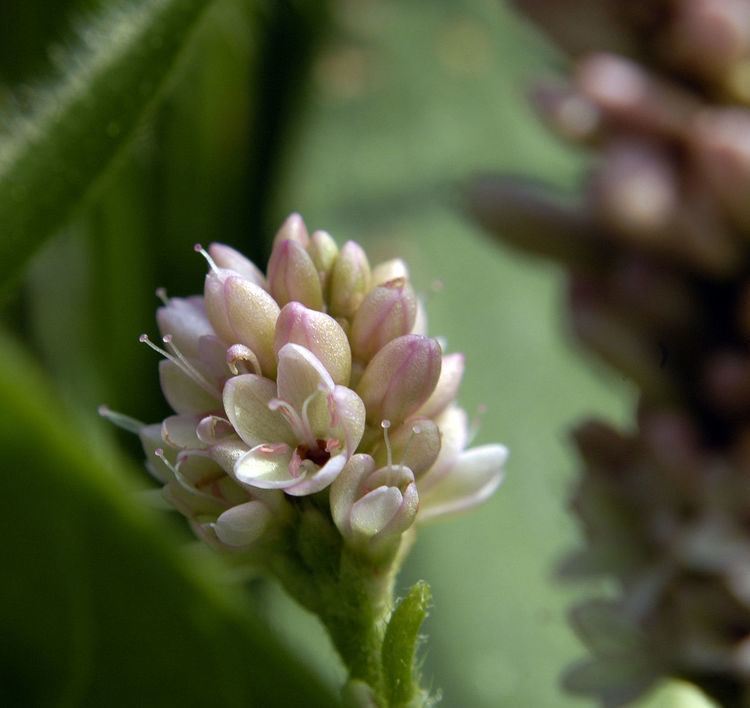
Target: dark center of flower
point(318, 454)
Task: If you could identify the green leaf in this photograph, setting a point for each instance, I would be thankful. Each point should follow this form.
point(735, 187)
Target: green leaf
point(400, 645)
point(100, 607)
point(51, 157)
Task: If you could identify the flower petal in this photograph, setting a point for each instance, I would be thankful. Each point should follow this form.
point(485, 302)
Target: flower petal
point(372, 513)
point(226, 453)
point(300, 375)
point(186, 321)
point(180, 431)
point(348, 420)
point(151, 440)
point(475, 476)
point(451, 373)
point(226, 257)
point(183, 393)
point(454, 437)
point(313, 483)
point(266, 467)
point(246, 400)
point(243, 524)
point(345, 489)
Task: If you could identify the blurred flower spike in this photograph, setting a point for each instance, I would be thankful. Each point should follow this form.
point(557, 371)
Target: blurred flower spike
point(313, 379)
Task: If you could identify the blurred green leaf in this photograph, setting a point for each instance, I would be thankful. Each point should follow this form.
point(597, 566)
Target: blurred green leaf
point(99, 605)
point(51, 158)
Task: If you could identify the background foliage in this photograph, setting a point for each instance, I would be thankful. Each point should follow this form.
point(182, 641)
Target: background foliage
point(365, 116)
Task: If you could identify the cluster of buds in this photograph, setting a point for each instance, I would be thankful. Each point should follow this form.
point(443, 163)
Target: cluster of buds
point(656, 245)
point(315, 380)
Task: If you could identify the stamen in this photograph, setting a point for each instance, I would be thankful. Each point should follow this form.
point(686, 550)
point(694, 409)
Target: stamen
point(292, 417)
point(300, 424)
point(121, 420)
point(385, 425)
point(416, 430)
point(161, 293)
point(199, 249)
point(188, 367)
point(305, 419)
point(179, 477)
point(181, 362)
point(159, 452)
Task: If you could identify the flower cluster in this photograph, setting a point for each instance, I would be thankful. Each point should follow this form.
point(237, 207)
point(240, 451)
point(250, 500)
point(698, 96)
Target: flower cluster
point(313, 380)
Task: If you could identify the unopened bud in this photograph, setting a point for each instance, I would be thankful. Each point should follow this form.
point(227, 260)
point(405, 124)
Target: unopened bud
point(388, 311)
point(372, 508)
point(242, 312)
point(292, 276)
point(350, 280)
point(400, 378)
point(323, 251)
point(293, 229)
point(415, 444)
point(318, 333)
point(243, 524)
point(226, 257)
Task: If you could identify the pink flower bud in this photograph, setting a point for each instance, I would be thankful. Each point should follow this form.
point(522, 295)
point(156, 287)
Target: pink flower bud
point(318, 333)
point(242, 312)
point(388, 311)
point(227, 258)
point(372, 508)
point(451, 373)
point(293, 229)
point(350, 280)
point(323, 251)
point(292, 276)
point(400, 378)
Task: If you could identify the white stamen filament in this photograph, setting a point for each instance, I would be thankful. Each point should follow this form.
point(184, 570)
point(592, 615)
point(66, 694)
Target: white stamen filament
point(211, 264)
point(179, 360)
point(161, 293)
point(180, 478)
point(385, 425)
point(300, 424)
point(190, 368)
point(121, 420)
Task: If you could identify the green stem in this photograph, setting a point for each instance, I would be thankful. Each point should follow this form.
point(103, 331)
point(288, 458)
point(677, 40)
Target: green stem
point(352, 594)
point(360, 601)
